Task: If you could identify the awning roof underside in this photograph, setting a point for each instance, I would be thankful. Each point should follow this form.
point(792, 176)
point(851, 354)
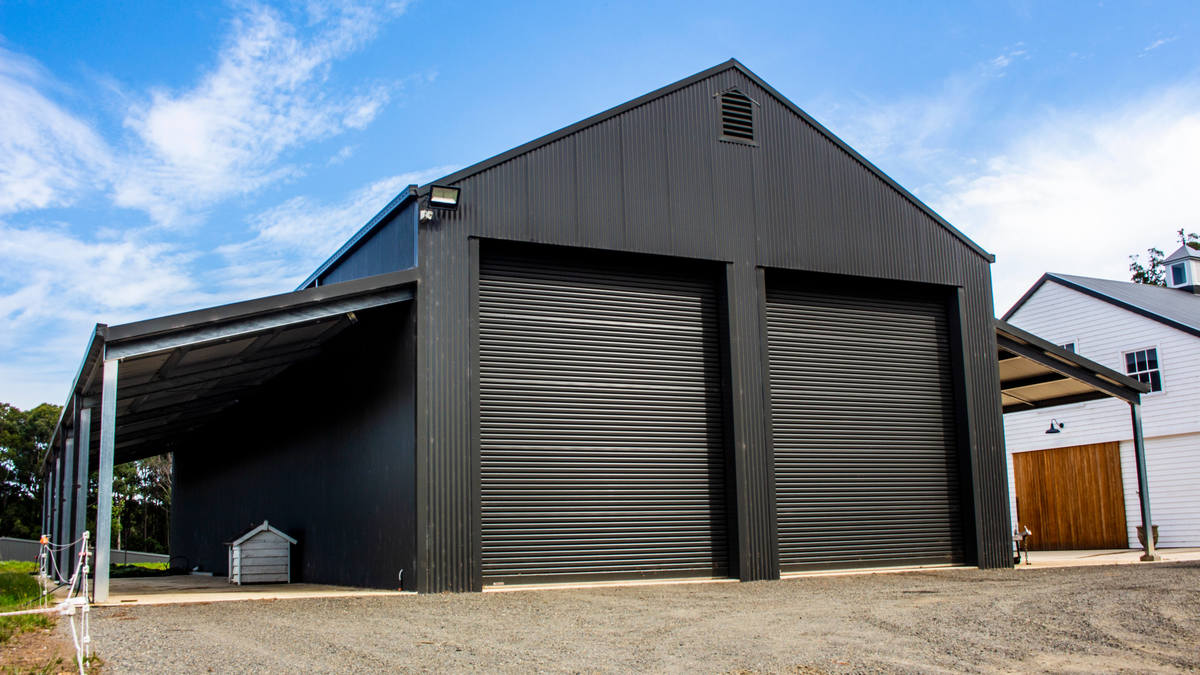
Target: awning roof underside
point(1037, 374)
point(177, 372)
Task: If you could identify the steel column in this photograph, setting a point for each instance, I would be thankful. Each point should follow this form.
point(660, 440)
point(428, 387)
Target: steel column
point(1139, 454)
point(45, 503)
point(56, 531)
point(83, 445)
point(68, 505)
point(104, 479)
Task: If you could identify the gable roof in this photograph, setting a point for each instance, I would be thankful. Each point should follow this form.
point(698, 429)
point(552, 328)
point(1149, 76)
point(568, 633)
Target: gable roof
point(1173, 307)
point(732, 64)
point(263, 527)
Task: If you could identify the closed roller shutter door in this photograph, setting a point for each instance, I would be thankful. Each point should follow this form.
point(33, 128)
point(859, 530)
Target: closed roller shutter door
point(601, 439)
point(863, 430)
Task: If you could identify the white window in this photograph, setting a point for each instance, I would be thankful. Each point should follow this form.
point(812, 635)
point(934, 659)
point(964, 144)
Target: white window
point(1142, 365)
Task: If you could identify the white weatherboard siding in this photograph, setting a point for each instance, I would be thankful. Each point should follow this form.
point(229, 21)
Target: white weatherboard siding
point(1174, 463)
point(1103, 332)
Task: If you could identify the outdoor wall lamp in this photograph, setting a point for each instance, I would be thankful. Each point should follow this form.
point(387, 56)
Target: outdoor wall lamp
point(444, 197)
point(1055, 427)
point(441, 197)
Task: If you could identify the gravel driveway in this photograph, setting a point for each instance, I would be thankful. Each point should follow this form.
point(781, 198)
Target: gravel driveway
point(1086, 619)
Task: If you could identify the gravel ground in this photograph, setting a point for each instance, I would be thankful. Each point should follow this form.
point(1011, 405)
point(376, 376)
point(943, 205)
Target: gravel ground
point(1085, 619)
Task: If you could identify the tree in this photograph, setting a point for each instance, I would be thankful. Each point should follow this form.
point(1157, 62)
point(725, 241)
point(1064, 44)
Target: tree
point(24, 436)
point(1155, 273)
point(141, 489)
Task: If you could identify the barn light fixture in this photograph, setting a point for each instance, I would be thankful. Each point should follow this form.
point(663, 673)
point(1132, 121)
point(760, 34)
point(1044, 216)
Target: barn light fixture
point(1055, 427)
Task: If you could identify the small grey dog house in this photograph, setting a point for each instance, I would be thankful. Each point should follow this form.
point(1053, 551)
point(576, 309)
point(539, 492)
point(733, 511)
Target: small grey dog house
point(261, 556)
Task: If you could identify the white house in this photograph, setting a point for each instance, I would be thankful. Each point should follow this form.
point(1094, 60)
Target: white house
point(1151, 333)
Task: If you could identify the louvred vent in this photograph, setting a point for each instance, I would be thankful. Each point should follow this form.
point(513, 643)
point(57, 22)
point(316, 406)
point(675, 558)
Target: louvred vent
point(737, 116)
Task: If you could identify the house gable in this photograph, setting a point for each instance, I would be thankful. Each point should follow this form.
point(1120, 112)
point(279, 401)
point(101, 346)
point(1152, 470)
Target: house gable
point(1104, 331)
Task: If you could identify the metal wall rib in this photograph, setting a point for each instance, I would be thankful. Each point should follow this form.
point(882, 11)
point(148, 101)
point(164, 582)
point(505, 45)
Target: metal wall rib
point(865, 441)
point(602, 449)
point(655, 179)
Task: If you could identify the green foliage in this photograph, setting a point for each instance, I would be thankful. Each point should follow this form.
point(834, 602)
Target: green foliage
point(17, 591)
point(141, 504)
point(22, 566)
point(139, 570)
point(18, 586)
point(1154, 273)
point(24, 435)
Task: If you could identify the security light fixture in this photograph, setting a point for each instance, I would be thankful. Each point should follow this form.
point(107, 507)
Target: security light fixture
point(1055, 427)
point(443, 197)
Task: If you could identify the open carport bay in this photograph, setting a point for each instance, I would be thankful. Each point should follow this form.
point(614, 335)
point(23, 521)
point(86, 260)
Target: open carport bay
point(1087, 619)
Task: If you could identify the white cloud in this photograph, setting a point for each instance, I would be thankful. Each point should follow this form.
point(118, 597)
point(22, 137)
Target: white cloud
point(230, 134)
point(268, 94)
point(54, 286)
point(1002, 61)
point(916, 131)
point(1082, 190)
point(292, 238)
point(1158, 43)
point(341, 155)
point(47, 155)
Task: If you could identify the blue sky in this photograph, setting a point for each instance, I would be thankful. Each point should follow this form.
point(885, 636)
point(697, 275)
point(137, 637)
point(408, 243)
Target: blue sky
point(157, 159)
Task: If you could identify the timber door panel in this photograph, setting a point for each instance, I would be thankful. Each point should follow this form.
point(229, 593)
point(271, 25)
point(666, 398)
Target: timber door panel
point(1071, 498)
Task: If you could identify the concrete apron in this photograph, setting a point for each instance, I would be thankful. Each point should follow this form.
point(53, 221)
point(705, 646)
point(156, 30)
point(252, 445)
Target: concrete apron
point(1044, 559)
point(186, 589)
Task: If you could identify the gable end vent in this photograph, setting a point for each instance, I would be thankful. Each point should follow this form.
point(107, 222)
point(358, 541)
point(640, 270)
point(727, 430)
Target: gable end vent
point(737, 117)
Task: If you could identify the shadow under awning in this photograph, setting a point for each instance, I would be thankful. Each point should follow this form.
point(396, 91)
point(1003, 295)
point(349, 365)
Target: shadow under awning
point(177, 372)
point(156, 380)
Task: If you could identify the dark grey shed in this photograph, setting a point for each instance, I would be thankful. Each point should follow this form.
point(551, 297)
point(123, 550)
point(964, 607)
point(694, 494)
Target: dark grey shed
point(648, 344)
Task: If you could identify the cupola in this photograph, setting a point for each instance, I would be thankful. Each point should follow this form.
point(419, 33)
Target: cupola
point(1183, 269)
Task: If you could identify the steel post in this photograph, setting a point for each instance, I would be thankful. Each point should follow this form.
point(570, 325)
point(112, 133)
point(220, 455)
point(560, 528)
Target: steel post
point(104, 479)
point(1139, 454)
point(83, 445)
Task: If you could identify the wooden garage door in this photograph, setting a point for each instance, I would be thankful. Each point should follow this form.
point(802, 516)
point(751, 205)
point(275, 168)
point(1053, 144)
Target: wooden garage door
point(1071, 498)
point(602, 450)
point(863, 428)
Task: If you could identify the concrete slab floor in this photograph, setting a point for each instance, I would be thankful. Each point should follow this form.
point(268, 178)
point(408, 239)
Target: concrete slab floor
point(1043, 559)
point(185, 588)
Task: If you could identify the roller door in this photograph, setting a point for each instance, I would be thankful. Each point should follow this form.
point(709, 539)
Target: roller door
point(863, 429)
point(601, 439)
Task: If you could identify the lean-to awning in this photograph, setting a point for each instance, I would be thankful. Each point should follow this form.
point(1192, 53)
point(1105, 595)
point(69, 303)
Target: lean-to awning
point(1037, 374)
point(143, 384)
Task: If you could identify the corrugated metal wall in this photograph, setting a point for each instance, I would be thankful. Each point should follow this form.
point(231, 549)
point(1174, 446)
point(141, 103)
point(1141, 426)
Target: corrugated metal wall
point(325, 452)
point(654, 179)
point(391, 247)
